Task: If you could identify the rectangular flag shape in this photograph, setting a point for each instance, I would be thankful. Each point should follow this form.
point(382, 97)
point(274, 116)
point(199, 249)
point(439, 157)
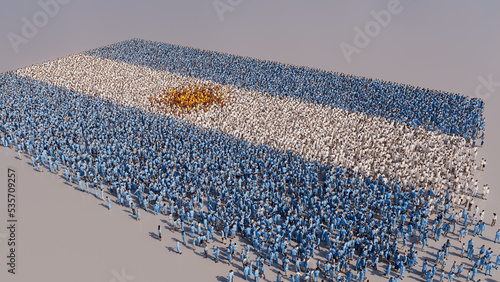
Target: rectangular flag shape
point(318, 126)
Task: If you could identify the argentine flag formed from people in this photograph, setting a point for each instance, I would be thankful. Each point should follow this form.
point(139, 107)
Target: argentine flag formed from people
point(287, 125)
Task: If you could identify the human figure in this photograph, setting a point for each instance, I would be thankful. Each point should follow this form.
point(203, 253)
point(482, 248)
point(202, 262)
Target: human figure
point(178, 247)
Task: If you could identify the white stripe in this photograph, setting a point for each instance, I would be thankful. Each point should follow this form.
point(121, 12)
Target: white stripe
point(371, 145)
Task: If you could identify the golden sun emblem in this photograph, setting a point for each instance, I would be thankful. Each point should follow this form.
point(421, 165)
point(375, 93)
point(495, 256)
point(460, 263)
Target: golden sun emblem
point(188, 98)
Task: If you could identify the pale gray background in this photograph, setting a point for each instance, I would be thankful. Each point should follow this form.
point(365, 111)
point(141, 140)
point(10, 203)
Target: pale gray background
point(67, 236)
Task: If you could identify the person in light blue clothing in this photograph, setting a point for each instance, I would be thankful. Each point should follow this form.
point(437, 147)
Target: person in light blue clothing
point(443, 276)
point(297, 277)
point(262, 271)
point(87, 186)
point(388, 270)
point(177, 246)
point(402, 270)
point(451, 276)
point(216, 254)
point(95, 191)
point(246, 271)
point(51, 168)
point(297, 265)
point(489, 265)
point(230, 276)
point(316, 274)
point(256, 275)
point(470, 253)
point(278, 277)
point(192, 228)
point(460, 269)
point(497, 262)
point(474, 272)
point(424, 243)
point(229, 256)
point(109, 203)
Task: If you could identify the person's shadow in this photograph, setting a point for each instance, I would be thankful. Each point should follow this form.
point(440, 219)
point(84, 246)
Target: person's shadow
point(240, 275)
point(154, 235)
point(221, 278)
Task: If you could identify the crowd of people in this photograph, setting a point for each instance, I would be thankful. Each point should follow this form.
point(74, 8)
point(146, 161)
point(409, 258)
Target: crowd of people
point(435, 110)
point(370, 145)
point(323, 219)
